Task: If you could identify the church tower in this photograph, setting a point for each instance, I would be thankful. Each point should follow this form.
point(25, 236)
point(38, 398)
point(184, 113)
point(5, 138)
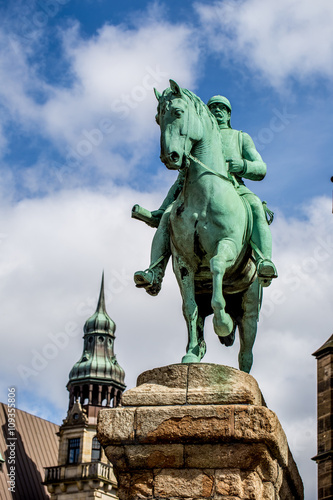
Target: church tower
point(95, 381)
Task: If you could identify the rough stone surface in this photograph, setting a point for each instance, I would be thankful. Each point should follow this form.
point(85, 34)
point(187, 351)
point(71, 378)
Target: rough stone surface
point(198, 383)
point(151, 456)
point(229, 482)
point(250, 456)
point(261, 424)
point(154, 395)
point(268, 492)
point(218, 384)
point(135, 486)
point(183, 424)
point(191, 483)
point(116, 426)
point(252, 485)
point(213, 450)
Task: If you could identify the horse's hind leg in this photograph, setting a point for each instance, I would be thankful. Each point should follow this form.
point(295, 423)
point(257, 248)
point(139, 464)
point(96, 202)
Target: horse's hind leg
point(224, 257)
point(247, 326)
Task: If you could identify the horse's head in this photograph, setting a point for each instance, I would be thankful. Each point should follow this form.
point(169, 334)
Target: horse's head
point(180, 125)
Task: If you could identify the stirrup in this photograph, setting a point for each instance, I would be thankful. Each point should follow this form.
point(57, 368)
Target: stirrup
point(266, 272)
point(143, 279)
point(266, 269)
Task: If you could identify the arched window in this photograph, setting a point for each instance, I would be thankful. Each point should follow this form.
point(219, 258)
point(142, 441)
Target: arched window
point(95, 450)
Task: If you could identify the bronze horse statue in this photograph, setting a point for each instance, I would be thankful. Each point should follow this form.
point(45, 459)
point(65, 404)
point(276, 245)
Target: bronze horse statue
point(210, 229)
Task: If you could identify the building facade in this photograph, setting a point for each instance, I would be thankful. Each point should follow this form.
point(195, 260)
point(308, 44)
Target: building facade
point(324, 457)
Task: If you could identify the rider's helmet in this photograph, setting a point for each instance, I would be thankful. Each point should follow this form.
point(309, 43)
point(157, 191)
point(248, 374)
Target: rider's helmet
point(221, 99)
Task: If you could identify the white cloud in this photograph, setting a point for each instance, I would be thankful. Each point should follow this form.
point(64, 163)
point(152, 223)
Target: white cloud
point(105, 116)
point(289, 38)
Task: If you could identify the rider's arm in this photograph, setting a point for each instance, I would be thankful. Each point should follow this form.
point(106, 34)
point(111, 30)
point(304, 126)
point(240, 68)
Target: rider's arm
point(254, 167)
point(173, 191)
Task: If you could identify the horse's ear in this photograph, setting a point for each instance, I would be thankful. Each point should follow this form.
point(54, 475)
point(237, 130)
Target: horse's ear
point(157, 94)
point(175, 88)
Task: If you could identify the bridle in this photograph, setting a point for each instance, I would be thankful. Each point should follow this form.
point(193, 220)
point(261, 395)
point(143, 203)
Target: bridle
point(221, 176)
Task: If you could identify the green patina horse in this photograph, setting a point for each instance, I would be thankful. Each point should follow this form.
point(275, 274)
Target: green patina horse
point(210, 229)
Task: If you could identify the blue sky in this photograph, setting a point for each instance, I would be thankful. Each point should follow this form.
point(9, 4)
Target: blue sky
point(79, 146)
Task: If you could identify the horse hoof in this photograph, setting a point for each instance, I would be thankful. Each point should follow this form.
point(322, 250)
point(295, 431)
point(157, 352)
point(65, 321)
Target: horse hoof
point(229, 339)
point(190, 358)
point(223, 328)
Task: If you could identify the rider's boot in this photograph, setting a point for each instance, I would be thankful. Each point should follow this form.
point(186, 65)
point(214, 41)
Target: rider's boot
point(261, 242)
point(266, 271)
point(150, 279)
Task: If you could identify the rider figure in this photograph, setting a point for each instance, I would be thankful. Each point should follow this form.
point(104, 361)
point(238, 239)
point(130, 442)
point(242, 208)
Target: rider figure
point(243, 161)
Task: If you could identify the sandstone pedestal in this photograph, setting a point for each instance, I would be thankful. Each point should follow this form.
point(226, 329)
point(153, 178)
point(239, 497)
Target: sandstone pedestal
point(198, 431)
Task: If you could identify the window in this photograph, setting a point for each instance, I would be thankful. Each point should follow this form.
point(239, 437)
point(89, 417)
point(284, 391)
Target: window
point(73, 450)
point(95, 450)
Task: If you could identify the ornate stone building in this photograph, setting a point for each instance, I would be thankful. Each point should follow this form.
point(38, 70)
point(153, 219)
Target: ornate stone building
point(95, 381)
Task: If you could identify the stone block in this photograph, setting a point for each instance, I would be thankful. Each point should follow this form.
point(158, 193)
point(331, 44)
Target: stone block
point(229, 483)
point(186, 483)
point(181, 424)
point(117, 456)
point(155, 456)
point(146, 457)
point(135, 486)
point(259, 424)
point(116, 426)
point(193, 384)
point(252, 485)
point(172, 376)
point(166, 385)
point(154, 395)
point(267, 467)
point(218, 384)
point(219, 455)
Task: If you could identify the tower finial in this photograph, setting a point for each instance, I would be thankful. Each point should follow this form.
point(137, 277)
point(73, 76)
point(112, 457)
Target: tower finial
point(101, 300)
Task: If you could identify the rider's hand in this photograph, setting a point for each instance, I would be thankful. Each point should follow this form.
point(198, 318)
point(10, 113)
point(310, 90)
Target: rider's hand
point(236, 166)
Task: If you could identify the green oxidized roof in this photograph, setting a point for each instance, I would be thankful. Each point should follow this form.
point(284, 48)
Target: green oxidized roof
point(98, 363)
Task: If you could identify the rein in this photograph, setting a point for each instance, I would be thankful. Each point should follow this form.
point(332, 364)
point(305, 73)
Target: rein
point(221, 176)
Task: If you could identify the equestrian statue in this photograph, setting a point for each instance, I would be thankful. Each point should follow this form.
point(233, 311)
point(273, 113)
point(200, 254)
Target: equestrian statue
point(214, 227)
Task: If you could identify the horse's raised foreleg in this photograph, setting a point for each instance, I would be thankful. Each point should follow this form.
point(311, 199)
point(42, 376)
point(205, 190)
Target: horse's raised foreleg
point(224, 257)
point(247, 326)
